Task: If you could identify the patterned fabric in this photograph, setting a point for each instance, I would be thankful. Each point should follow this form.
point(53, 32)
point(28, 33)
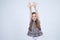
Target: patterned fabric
point(35, 31)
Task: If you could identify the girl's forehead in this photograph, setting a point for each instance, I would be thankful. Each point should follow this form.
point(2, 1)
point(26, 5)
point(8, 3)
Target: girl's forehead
point(34, 14)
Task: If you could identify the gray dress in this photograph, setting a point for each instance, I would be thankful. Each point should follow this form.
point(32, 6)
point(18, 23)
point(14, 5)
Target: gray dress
point(35, 31)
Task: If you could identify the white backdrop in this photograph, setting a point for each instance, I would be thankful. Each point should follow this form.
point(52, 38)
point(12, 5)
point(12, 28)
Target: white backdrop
point(14, 19)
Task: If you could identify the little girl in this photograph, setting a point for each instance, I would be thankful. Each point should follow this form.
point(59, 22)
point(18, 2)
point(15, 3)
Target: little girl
point(34, 29)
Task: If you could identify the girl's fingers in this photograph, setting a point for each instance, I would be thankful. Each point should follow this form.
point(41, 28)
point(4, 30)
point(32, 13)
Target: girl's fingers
point(29, 4)
point(34, 3)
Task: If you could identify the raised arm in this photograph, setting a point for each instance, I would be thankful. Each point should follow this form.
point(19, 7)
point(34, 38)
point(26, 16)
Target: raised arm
point(35, 7)
point(30, 8)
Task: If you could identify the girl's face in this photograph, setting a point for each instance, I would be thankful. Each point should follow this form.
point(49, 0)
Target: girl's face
point(34, 17)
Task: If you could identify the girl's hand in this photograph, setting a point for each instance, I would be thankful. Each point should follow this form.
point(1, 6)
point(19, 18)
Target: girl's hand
point(29, 5)
point(34, 4)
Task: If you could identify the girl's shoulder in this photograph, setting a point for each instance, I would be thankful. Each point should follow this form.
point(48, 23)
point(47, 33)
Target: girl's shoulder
point(38, 20)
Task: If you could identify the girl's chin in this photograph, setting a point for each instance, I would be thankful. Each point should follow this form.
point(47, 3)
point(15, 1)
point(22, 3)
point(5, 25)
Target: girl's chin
point(34, 20)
